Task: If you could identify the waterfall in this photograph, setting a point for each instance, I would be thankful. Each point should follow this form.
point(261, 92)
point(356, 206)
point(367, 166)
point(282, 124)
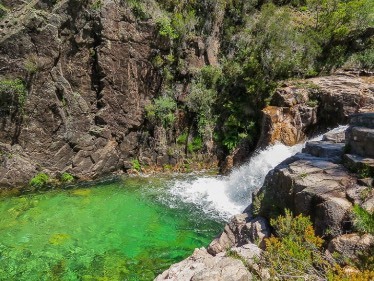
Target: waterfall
point(224, 196)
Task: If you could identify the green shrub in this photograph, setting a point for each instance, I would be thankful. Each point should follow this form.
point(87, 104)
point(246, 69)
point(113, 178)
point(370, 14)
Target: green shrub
point(195, 145)
point(96, 5)
point(40, 180)
point(136, 165)
point(295, 252)
point(12, 92)
point(139, 10)
point(165, 29)
point(162, 110)
point(67, 178)
point(363, 220)
point(181, 139)
point(364, 59)
point(3, 11)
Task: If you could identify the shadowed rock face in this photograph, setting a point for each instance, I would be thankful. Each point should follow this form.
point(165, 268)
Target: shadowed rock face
point(89, 76)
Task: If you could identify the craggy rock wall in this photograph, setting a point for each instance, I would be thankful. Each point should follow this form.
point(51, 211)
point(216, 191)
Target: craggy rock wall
point(88, 76)
point(299, 109)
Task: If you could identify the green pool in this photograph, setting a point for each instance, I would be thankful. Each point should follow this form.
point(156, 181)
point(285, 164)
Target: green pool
point(122, 230)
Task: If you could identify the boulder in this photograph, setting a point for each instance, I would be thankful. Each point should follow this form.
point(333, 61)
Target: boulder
point(352, 246)
point(201, 266)
point(231, 235)
point(360, 141)
point(325, 149)
point(241, 230)
point(312, 186)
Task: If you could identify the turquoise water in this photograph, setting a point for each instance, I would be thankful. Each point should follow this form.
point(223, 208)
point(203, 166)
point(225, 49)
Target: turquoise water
point(124, 230)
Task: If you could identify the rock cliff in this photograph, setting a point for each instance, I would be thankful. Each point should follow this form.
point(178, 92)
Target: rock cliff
point(302, 108)
point(75, 79)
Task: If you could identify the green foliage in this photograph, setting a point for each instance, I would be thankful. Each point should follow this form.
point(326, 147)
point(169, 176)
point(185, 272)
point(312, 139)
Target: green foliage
point(136, 165)
point(139, 10)
point(363, 220)
point(40, 180)
point(165, 28)
point(195, 145)
point(12, 93)
point(67, 178)
point(181, 139)
point(364, 59)
point(3, 11)
point(96, 5)
point(295, 251)
point(162, 110)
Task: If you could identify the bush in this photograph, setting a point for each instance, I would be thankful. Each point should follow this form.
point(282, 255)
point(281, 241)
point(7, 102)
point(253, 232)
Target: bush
point(295, 252)
point(364, 59)
point(165, 29)
point(12, 92)
point(40, 180)
point(162, 110)
point(181, 139)
point(195, 145)
point(67, 178)
point(136, 165)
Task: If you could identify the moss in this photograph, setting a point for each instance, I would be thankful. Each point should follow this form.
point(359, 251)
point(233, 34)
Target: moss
point(40, 180)
point(67, 178)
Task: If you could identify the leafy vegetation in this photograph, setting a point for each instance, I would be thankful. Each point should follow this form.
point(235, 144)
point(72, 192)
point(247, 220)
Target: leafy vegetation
point(136, 165)
point(297, 253)
point(12, 93)
point(67, 178)
point(162, 111)
point(40, 180)
point(363, 220)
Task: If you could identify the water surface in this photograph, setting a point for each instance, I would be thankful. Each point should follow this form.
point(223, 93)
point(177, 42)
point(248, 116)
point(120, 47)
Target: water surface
point(124, 230)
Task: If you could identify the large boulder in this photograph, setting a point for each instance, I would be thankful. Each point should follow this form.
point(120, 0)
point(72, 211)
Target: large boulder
point(239, 231)
point(201, 266)
point(351, 247)
point(312, 186)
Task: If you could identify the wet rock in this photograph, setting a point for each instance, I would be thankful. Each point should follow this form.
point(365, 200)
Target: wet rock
point(232, 235)
point(334, 137)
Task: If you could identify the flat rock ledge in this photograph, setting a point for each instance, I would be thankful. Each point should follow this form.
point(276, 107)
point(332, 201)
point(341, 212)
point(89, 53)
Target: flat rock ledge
point(202, 266)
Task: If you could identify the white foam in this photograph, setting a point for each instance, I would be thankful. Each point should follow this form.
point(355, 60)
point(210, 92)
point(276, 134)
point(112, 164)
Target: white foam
point(227, 196)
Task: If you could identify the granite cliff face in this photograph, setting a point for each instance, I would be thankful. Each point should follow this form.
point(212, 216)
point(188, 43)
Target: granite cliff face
point(88, 77)
point(88, 74)
point(301, 108)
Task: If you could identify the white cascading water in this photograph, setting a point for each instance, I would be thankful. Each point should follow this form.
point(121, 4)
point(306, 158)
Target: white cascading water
point(224, 197)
